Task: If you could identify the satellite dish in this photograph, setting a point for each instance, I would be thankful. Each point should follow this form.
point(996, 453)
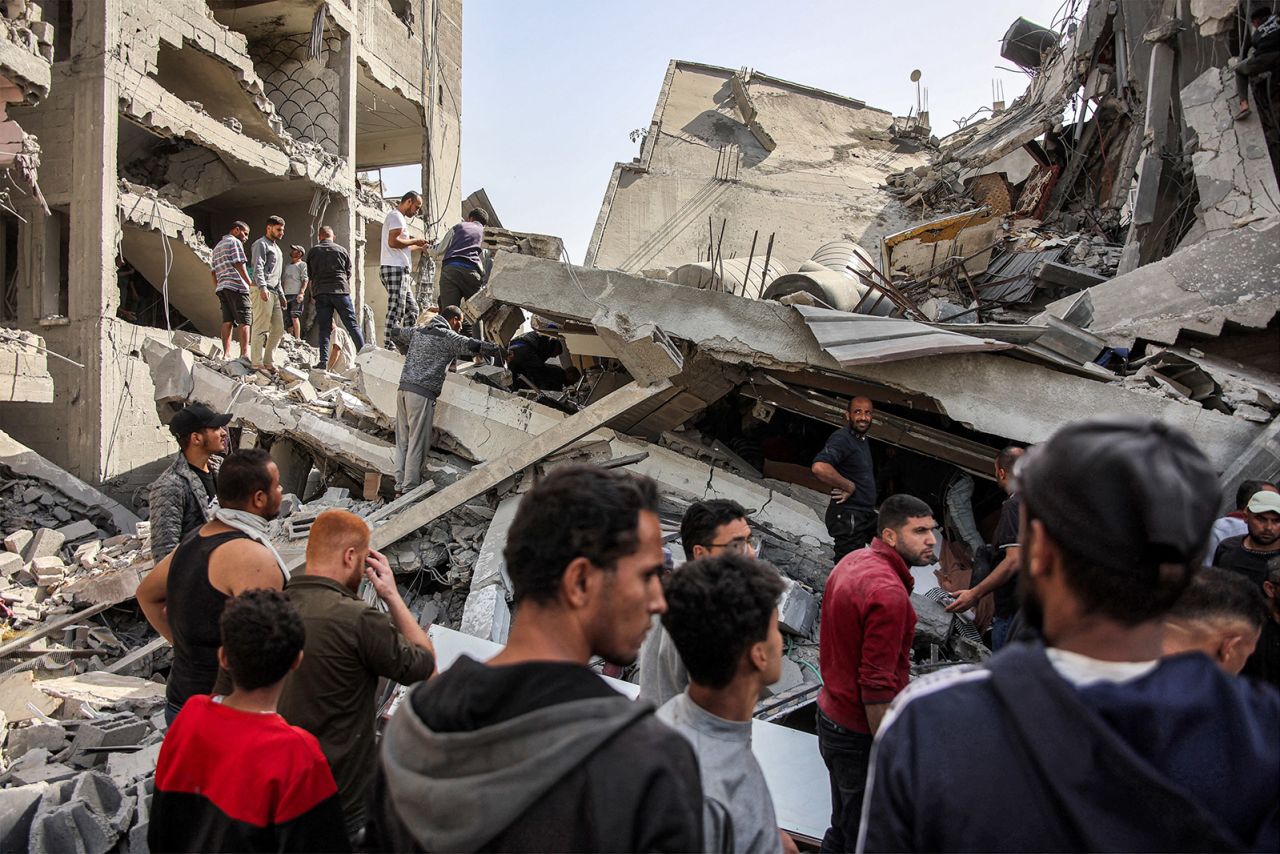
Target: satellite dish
point(915, 76)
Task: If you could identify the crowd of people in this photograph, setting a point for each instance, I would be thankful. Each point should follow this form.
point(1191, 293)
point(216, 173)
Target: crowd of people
point(1132, 701)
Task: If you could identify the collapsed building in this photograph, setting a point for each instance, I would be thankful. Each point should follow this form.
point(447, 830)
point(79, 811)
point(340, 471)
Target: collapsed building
point(773, 250)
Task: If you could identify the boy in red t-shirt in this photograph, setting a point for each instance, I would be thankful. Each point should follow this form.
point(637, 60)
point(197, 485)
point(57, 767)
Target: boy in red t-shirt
point(232, 774)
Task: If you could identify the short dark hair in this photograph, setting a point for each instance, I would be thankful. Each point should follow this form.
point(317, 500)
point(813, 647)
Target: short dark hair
point(1259, 13)
point(698, 527)
point(243, 474)
point(479, 216)
point(412, 194)
point(262, 634)
point(897, 509)
point(1008, 456)
point(575, 511)
point(275, 220)
point(451, 312)
point(1247, 490)
point(1215, 592)
point(717, 607)
point(240, 224)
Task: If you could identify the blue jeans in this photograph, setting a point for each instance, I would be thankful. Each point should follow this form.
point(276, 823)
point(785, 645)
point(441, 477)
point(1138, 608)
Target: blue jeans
point(170, 712)
point(1000, 632)
point(326, 305)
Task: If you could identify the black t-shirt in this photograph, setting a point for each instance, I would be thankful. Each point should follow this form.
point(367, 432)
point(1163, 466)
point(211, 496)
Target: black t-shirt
point(850, 455)
point(207, 480)
point(1233, 555)
point(1006, 534)
point(1264, 664)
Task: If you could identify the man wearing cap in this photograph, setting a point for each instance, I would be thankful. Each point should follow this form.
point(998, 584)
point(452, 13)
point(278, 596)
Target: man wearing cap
point(1232, 524)
point(1248, 553)
point(294, 283)
point(180, 497)
point(1089, 741)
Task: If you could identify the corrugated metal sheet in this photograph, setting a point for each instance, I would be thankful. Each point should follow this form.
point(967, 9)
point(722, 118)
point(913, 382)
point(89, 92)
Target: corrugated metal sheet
point(1018, 266)
point(859, 339)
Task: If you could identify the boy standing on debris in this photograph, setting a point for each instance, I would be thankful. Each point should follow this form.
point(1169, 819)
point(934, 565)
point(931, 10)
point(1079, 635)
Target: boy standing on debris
point(183, 596)
point(432, 349)
point(268, 304)
point(294, 283)
point(1259, 53)
point(532, 750)
point(1089, 741)
point(350, 646)
point(722, 613)
point(844, 465)
point(182, 496)
point(232, 774)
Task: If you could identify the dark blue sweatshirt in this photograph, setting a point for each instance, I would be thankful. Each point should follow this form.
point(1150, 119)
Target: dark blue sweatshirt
point(1012, 757)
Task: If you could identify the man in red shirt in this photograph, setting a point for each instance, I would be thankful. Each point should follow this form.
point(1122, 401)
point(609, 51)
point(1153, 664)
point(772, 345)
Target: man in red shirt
point(867, 628)
point(232, 775)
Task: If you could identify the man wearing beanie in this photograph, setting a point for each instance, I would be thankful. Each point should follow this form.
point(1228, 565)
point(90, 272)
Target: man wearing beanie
point(1089, 741)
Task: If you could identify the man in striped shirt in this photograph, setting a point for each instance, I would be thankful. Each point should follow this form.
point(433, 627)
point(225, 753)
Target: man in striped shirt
point(231, 284)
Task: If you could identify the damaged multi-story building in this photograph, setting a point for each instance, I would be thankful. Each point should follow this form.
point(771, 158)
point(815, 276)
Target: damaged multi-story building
point(137, 133)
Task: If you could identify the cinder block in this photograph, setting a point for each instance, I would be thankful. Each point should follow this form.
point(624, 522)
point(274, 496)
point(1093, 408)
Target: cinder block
point(118, 730)
point(18, 807)
point(18, 541)
point(45, 543)
point(49, 736)
point(10, 563)
point(797, 609)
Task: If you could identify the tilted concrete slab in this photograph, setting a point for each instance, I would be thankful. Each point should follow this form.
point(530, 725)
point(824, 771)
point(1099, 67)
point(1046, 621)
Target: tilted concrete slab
point(27, 463)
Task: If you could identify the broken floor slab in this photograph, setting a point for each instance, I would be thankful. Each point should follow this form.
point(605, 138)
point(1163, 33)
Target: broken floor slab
point(25, 462)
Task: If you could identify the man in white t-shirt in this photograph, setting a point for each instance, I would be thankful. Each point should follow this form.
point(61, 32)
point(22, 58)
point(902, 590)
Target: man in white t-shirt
point(397, 262)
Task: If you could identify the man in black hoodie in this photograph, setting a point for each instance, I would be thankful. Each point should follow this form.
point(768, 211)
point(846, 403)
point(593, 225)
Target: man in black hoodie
point(1089, 741)
point(532, 750)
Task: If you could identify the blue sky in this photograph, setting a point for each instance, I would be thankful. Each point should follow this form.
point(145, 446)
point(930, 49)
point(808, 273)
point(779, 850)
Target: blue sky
point(551, 88)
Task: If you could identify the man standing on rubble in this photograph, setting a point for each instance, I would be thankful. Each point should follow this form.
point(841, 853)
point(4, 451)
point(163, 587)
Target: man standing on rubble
point(432, 349)
point(865, 636)
point(462, 259)
point(350, 646)
point(294, 281)
point(1259, 52)
point(329, 266)
point(183, 596)
point(181, 498)
point(268, 304)
point(1089, 741)
point(533, 750)
point(845, 466)
point(723, 615)
point(1002, 580)
point(397, 264)
point(708, 529)
point(231, 285)
point(1248, 554)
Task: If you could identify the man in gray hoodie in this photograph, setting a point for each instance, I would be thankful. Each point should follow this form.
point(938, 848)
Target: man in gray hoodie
point(432, 349)
point(532, 750)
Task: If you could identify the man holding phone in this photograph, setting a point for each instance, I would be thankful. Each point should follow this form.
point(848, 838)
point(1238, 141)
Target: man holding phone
point(349, 646)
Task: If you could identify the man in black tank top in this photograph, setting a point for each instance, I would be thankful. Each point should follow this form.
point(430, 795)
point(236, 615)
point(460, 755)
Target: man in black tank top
point(215, 562)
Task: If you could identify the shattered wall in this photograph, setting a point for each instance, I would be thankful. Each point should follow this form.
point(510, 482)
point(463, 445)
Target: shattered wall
point(806, 167)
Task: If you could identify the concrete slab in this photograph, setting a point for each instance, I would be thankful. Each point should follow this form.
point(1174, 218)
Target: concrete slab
point(27, 463)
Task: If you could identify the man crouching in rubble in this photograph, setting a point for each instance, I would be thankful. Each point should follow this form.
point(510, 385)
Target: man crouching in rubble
point(432, 349)
point(1090, 741)
point(532, 750)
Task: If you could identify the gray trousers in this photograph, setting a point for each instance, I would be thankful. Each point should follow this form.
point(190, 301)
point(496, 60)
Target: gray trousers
point(414, 414)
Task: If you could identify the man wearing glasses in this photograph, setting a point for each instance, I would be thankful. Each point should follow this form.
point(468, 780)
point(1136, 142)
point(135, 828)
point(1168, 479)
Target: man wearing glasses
point(708, 529)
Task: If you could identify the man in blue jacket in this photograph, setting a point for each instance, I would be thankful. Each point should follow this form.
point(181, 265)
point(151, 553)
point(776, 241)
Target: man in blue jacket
point(1089, 741)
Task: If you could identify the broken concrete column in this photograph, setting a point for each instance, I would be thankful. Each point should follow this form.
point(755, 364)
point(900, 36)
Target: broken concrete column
point(486, 615)
point(1233, 170)
point(647, 352)
point(490, 567)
